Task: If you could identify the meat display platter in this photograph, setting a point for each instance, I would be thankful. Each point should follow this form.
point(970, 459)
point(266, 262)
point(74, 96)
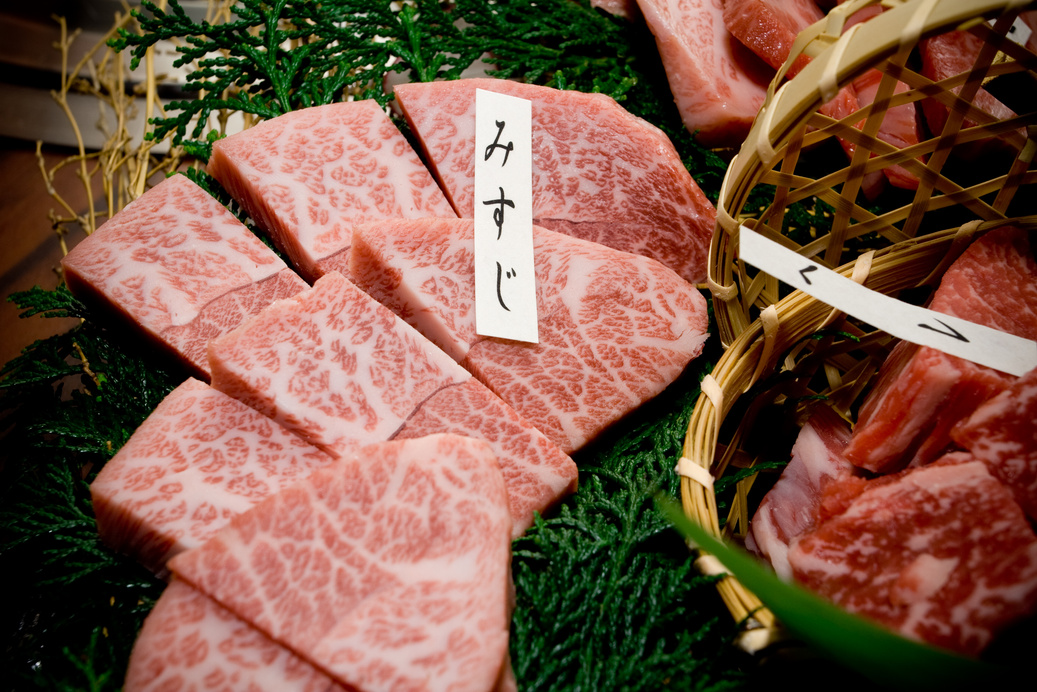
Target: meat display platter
point(607, 593)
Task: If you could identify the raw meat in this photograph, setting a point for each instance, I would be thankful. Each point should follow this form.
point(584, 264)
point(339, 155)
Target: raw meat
point(189, 643)
point(599, 173)
point(1002, 433)
point(947, 55)
point(537, 473)
point(769, 27)
point(718, 83)
point(615, 328)
point(921, 393)
point(342, 371)
point(621, 8)
point(308, 175)
point(177, 265)
point(388, 570)
point(331, 365)
point(939, 553)
point(200, 458)
point(789, 508)
point(900, 125)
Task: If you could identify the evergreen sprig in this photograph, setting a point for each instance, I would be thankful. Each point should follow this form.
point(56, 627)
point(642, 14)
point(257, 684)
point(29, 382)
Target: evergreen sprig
point(66, 405)
point(607, 594)
point(274, 57)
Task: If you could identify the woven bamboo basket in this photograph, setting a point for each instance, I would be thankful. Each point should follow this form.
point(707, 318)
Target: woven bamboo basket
point(785, 351)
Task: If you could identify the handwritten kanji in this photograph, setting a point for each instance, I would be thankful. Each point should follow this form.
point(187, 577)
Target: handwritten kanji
point(510, 274)
point(497, 145)
point(498, 213)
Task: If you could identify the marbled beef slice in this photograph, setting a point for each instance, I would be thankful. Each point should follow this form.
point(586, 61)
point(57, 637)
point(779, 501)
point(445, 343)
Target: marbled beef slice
point(717, 83)
point(790, 507)
point(922, 393)
point(599, 173)
point(179, 267)
point(1002, 434)
point(388, 570)
point(615, 328)
point(307, 176)
point(189, 643)
point(537, 474)
point(197, 460)
point(340, 370)
point(939, 553)
point(332, 365)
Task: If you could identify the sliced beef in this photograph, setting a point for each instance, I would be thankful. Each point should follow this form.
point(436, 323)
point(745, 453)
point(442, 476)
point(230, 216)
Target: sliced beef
point(948, 55)
point(200, 458)
point(389, 570)
point(599, 173)
point(900, 126)
point(790, 508)
point(189, 643)
point(769, 27)
point(615, 328)
point(1002, 433)
point(179, 267)
point(308, 175)
point(331, 365)
point(536, 472)
point(340, 370)
point(718, 83)
point(940, 554)
point(922, 393)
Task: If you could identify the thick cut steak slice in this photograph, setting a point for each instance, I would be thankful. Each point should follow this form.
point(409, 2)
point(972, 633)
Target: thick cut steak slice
point(189, 643)
point(945, 56)
point(940, 554)
point(900, 126)
point(789, 509)
point(1002, 433)
point(922, 393)
point(536, 472)
point(308, 175)
point(177, 265)
point(599, 173)
point(332, 365)
point(200, 458)
point(769, 27)
point(717, 82)
point(341, 371)
point(615, 328)
point(389, 570)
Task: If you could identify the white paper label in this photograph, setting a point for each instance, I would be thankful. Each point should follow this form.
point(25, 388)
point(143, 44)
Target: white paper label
point(505, 280)
point(996, 349)
point(1019, 32)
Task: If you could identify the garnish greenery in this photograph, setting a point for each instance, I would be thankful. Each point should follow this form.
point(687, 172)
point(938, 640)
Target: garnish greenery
point(274, 57)
point(67, 404)
point(607, 594)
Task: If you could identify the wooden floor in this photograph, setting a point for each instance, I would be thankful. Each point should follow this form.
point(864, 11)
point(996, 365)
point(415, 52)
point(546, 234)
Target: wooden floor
point(29, 248)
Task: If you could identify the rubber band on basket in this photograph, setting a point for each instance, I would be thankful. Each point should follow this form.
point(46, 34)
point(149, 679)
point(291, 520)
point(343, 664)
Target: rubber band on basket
point(861, 272)
point(696, 472)
point(720, 292)
point(713, 391)
point(770, 322)
point(710, 566)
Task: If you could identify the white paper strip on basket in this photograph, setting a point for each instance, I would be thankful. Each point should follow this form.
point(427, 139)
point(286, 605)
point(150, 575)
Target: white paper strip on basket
point(980, 344)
